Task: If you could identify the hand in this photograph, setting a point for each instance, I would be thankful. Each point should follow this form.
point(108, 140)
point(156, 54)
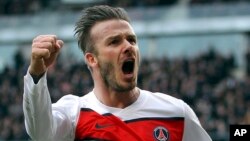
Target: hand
point(45, 49)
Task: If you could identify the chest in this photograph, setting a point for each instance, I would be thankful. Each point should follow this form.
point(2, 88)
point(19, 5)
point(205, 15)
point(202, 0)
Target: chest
point(93, 126)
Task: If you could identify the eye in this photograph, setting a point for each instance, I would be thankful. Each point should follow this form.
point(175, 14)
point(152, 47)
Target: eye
point(114, 42)
point(132, 40)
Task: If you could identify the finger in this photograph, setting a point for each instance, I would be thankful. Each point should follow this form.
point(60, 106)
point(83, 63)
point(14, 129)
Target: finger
point(46, 38)
point(44, 45)
point(38, 53)
point(59, 43)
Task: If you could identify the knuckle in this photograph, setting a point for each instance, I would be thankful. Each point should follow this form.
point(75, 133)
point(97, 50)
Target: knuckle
point(35, 44)
point(48, 44)
point(34, 53)
point(42, 45)
point(45, 38)
point(35, 39)
point(46, 51)
point(51, 38)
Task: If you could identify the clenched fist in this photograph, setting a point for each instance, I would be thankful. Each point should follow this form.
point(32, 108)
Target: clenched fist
point(45, 49)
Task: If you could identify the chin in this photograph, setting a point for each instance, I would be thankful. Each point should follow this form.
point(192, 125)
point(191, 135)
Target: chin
point(131, 85)
point(126, 87)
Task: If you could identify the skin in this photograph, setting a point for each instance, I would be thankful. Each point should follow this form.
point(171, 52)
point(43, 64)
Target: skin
point(115, 42)
point(45, 49)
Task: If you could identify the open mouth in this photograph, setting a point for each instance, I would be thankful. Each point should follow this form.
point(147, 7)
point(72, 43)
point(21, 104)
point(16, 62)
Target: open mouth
point(128, 66)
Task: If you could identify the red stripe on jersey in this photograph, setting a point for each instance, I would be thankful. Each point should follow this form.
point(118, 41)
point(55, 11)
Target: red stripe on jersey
point(92, 125)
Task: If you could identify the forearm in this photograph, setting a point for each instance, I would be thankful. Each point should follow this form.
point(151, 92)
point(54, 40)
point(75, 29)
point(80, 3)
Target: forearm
point(37, 108)
point(42, 123)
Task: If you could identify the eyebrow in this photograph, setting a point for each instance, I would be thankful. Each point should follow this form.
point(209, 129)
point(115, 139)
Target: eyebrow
point(118, 35)
point(112, 37)
point(133, 36)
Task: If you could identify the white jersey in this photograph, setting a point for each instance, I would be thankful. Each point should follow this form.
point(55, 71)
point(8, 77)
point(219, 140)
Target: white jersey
point(152, 117)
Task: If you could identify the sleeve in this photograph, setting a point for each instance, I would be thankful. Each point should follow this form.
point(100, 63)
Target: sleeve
point(45, 121)
point(193, 130)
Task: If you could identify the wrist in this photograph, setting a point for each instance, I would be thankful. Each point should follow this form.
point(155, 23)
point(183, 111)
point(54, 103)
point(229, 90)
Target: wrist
point(36, 78)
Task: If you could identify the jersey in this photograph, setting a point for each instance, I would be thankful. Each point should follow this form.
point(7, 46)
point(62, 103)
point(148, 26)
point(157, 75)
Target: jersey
point(152, 117)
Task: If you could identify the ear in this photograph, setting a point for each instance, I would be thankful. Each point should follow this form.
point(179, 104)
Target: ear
point(90, 59)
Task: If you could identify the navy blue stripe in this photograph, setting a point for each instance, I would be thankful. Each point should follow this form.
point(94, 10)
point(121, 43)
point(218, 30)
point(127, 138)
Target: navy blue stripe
point(154, 118)
point(90, 110)
point(86, 109)
point(90, 139)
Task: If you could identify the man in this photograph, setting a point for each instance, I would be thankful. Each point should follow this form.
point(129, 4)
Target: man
point(115, 109)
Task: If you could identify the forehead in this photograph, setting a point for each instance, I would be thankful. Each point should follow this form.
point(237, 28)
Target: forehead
point(103, 30)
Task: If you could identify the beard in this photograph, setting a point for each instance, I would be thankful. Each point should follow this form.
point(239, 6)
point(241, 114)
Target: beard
point(108, 74)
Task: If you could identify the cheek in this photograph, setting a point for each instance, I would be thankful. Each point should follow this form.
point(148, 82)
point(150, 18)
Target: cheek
point(110, 53)
point(106, 56)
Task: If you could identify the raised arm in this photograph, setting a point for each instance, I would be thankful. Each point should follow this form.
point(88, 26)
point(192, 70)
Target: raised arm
point(43, 121)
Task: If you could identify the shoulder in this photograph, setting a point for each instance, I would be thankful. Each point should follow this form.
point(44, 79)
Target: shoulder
point(67, 103)
point(67, 107)
point(168, 102)
point(163, 98)
point(68, 99)
point(166, 97)
point(72, 101)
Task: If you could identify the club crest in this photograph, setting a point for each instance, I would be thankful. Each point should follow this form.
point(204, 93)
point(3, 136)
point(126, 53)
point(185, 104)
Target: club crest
point(161, 133)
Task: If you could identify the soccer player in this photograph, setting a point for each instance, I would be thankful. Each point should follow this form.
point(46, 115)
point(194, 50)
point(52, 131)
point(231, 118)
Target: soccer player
point(116, 109)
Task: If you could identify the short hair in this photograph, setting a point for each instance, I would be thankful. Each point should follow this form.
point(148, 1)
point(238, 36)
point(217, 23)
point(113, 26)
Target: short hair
point(90, 16)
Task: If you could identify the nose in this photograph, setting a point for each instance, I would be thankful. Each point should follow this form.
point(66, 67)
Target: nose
point(128, 47)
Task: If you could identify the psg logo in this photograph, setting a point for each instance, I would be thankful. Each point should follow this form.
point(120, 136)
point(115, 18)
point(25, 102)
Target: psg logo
point(161, 133)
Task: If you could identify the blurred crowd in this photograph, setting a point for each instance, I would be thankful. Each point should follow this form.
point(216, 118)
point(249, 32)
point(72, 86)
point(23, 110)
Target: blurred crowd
point(205, 82)
point(215, 1)
point(19, 7)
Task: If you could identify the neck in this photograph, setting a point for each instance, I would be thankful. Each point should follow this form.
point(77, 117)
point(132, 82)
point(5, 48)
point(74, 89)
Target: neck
point(112, 98)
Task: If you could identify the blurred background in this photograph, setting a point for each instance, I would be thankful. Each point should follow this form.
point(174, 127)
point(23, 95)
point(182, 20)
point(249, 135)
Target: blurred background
point(196, 50)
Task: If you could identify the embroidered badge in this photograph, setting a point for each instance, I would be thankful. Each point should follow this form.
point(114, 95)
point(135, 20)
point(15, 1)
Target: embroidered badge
point(161, 133)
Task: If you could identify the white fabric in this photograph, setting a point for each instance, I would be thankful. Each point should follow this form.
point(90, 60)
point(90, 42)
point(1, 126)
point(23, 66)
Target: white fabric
point(56, 122)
